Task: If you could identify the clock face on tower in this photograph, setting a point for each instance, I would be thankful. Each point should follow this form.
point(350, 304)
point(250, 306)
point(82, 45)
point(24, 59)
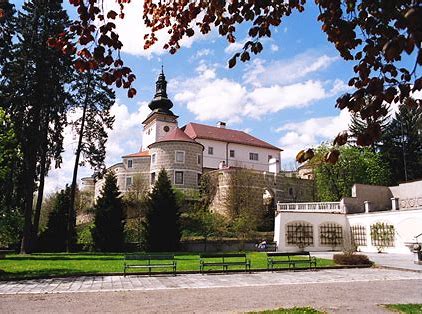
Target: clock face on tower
point(166, 128)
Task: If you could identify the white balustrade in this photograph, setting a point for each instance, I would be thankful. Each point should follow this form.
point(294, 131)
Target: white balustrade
point(325, 207)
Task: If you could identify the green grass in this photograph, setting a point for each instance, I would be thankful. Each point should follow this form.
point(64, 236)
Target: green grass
point(63, 264)
point(405, 308)
point(293, 310)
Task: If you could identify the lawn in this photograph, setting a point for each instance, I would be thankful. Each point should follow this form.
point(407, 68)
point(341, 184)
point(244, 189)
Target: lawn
point(63, 264)
point(405, 308)
point(293, 310)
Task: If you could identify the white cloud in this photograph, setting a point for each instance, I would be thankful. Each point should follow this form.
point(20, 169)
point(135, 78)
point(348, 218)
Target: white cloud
point(124, 138)
point(131, 30)
point(274, 47)
point(202, 53)
point(261, 73)
point(272, 99)
point(236, 46)
point(310, 133)
point(212, 98)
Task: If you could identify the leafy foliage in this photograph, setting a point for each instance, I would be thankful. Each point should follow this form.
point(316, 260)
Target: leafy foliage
point(355, 165)
point(108, 231)
point(374, 34)
point(55, 237)
point(32, 90)
point(10, 163)
point(95, 99)
point(162, 226)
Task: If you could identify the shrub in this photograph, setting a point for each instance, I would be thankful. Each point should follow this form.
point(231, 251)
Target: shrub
point(351, 259)
point(85, 237)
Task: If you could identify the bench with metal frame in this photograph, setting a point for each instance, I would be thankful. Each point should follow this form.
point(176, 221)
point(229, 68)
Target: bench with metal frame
point(292, 259)
point(3, 253)
point(223, 260)
point(149, 261)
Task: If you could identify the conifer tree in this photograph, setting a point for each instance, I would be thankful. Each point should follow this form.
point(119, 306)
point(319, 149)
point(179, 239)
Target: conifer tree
point(161, 226)
point(93, 97)
point(108, 231)
point(401, 145)
point(33, 91)
point(55, 237)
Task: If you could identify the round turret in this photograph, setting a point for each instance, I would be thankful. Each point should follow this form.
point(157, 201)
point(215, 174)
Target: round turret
point(180, 156)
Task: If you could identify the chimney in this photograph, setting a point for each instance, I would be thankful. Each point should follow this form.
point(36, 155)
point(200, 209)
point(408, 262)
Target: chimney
point(221, 124)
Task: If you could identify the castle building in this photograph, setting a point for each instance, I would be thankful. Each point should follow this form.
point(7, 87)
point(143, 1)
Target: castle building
point(186, 152)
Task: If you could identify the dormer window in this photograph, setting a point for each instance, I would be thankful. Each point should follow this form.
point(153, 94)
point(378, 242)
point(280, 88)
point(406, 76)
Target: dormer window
point(129, 163)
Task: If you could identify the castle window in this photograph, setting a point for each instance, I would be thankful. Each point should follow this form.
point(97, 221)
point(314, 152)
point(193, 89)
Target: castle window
point(231, 153)
point(128, 182)
point(180, 157)
point(129, 163)
point(178, 177)
point(153, 158)
point(199, 159)
point(210, 150)
point(152, 177)
point(253, 156)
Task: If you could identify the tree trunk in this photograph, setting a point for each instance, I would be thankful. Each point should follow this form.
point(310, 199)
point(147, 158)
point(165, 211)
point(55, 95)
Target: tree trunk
point(43, 171)
point(40, 196)
point(28, 199)
point(71, 212)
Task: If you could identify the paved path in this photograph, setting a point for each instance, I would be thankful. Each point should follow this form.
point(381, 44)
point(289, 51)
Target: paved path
point(343, 291)
point(198, 281)
point(390, 260)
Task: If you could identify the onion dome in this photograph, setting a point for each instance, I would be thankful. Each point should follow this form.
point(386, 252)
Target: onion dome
point(161, 103)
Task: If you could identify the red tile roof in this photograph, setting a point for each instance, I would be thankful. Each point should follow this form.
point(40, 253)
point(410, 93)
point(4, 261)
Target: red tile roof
point(202, 131)
point(144, 153)
point(176, 135)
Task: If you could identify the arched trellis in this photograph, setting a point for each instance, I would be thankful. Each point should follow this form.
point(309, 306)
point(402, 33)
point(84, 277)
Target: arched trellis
point(299, 233)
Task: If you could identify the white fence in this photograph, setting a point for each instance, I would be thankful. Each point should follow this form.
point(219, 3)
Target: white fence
point(323, 207)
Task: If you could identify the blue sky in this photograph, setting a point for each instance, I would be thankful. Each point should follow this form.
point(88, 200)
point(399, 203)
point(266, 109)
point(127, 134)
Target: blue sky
point(285, 95)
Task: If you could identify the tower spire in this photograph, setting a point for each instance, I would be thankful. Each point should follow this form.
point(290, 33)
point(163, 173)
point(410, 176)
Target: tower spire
point(161, 103)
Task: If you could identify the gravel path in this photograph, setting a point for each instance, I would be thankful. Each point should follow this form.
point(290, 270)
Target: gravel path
point(351, 297)
point(335, 291)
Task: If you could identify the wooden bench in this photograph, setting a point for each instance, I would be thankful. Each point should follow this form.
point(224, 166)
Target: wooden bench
point(223, 260)
point(291, 259)
point(3, 253)
point(147, 261)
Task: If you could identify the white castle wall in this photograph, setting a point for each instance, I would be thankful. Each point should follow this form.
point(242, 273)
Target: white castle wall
point(241, 159)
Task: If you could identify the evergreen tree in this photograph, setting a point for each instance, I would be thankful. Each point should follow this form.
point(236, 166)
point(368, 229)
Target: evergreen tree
point(33, 91)
point(108, 231)
point(95, 99)
point(359, 126)
point(402, 145)
point(55, 237)
point(161, 226)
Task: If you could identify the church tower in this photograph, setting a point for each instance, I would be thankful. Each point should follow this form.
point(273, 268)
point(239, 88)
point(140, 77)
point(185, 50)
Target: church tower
point(161, 120)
